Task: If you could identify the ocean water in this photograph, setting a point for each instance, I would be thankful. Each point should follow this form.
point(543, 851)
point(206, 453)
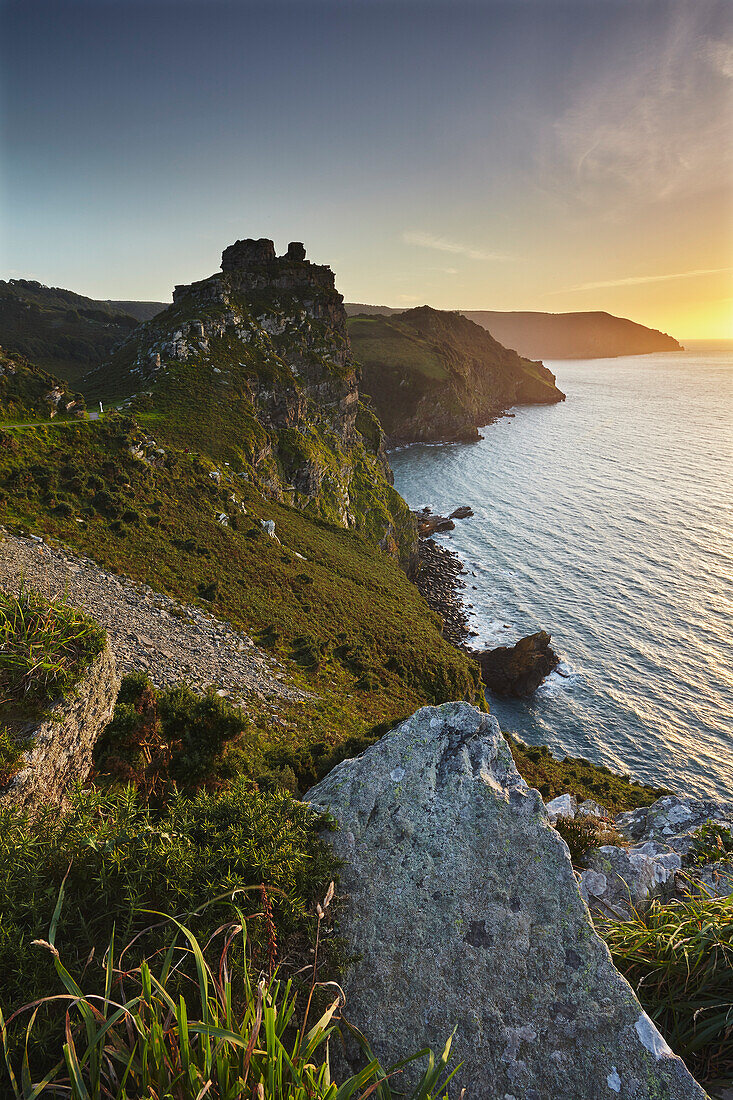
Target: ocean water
point(608, 520)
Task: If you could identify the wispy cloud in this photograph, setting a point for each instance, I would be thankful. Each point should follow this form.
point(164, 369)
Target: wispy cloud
point(637, 280)
point(656, 128)
point(442, 244)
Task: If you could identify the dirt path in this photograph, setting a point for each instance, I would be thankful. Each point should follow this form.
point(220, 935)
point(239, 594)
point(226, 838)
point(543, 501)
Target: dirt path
point(149, 632)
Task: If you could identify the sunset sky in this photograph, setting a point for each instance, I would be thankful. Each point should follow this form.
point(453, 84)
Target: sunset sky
point(542, 155)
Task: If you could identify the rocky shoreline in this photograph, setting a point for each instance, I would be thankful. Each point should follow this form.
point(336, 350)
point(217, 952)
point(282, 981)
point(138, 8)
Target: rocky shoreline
point(439, 581)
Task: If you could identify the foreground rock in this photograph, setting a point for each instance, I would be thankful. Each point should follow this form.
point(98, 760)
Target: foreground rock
point(462, 907)
point(60, 747)
point(520, 669)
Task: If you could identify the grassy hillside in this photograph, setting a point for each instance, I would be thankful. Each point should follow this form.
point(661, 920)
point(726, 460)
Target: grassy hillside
point(434, 375)
point(29, 393)
point(344, 617)
point(64, 333)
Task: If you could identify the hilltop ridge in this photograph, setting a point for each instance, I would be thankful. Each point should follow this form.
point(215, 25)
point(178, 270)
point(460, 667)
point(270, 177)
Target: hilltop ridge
point(434, 375)
point(582, 335)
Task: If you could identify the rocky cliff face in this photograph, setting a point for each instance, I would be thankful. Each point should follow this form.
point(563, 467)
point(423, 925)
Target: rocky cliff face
point(433, 375)
point(60, 752)
point(463, 912)
point(253, 367)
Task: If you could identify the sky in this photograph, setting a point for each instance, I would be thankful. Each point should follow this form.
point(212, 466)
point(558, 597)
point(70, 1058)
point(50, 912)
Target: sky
point(548, 155)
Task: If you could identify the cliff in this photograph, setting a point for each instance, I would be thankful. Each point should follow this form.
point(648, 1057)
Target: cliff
point(434, 375)
point(253, 367)
point(595, 335)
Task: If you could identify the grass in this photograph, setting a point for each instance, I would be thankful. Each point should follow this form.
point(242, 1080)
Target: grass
point(45, 646)
point(184, 1025)
point(343, 616)
point(678, 957)
point(118, 858)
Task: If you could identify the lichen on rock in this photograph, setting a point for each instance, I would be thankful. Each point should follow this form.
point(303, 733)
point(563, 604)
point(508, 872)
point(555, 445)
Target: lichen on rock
point(461, 905)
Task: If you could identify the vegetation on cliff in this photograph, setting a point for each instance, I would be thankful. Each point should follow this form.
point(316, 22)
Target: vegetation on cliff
point(434, 375)
point(252, 367)
point(340, 612)
point(678, 956)
point(45, 646)
point(63, 332)
point(118, 859)
point(29, 393)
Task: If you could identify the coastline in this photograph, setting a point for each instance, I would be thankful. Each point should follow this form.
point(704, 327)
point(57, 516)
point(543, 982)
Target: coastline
point(439, 582)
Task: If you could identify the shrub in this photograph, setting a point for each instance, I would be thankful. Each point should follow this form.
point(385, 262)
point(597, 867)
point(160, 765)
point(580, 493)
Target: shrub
point(159, 740)
point(583, 832)
point(119, 858)
point(678, 957)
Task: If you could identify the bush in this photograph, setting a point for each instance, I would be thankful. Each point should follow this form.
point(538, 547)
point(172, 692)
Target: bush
point(679, 958)
point(583, 832)
point(119, 858)
point(159, 740)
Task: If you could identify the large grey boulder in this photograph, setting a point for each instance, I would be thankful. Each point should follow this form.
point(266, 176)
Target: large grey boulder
point(463, 909)
point(60, 746)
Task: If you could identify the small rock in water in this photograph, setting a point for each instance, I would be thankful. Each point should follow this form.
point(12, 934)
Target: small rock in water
point(520, 669)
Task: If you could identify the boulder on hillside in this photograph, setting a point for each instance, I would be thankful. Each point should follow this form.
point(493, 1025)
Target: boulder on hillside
point(463, 912)
point(61, 744)
point(520, 669)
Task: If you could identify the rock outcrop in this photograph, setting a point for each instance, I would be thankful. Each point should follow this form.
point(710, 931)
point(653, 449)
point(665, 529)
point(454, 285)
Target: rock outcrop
point(433, 375)
point(253, 367)
point(652, 858)
point(61, 745)
point(463, 911)
point(518, 670)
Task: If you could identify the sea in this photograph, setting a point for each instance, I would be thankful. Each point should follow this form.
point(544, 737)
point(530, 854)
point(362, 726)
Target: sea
point(608, 521)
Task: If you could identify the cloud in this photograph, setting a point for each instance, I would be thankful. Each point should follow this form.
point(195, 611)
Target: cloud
point(653, 128)
point(442, 244)
point(637, 280)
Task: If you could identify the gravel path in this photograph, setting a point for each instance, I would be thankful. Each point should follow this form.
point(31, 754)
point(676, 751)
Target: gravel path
point(149, 632)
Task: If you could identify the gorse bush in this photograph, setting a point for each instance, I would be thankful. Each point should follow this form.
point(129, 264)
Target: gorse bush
point(44, 647)
point(178, 1027)
point(679, 958)
point(584, 832)
point(160, 740)
point(119, 858)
